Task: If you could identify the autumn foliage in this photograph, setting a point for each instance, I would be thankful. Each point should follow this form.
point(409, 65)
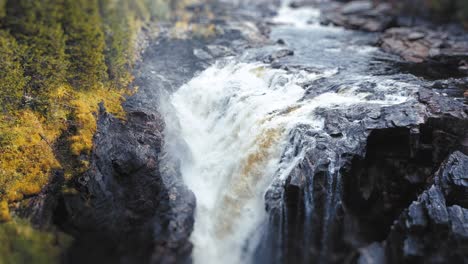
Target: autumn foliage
point(58, 60)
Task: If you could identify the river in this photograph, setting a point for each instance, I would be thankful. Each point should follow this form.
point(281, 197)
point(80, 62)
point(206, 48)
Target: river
point(236, 119)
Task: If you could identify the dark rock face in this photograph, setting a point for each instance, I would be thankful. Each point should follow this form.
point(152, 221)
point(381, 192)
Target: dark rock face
point(40, 209)
point(132, 205)
point(453, 179)
point(434, 217)
point(358, 184)
point(126, 210)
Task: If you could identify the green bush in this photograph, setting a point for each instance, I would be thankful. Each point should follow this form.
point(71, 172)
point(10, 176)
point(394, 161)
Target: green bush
point(21, 243)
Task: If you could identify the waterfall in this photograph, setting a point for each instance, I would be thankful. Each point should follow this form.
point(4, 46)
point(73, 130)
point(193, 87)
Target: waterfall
point(243, 127)
point(235, 118)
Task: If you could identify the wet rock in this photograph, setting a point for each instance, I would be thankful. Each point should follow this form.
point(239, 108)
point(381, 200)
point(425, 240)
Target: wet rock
point(414, 247)
point(452, 87)
point(421, 45)
point(431, 217)
point(301, 3)
point(361, 15)
point(278, 55)
point(402, 41)
point(372, 254)
point(452, 177)
point(463, 66)
point(357, 7)
point(202, 55)
point(364, 171)
point(280, 42)
point(434, 202)
point(295, 4)
point(413, 36)
point(125, 200)
point(417, 217)
point(218, 51)
point(459, 218)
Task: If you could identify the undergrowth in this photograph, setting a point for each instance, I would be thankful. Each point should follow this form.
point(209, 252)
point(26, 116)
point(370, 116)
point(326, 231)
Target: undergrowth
point(21, 243)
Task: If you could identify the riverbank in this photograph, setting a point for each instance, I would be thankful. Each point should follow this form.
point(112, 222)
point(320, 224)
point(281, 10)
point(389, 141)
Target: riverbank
point(428, 49)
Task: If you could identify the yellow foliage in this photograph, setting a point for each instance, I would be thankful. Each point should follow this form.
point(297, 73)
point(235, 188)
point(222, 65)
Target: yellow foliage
point(4, 211)
point(185, 26)
point(85, 107)
point(26, 157)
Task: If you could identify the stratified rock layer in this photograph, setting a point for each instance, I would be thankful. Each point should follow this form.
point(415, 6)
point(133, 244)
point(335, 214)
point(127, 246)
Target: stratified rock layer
point(366, 192)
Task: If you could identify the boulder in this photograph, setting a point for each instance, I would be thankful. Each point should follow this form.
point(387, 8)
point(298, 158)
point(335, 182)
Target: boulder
point(419, 45)
point(360, 15)
point(435, 217)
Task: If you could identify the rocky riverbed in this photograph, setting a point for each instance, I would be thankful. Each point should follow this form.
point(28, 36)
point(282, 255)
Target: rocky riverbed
point(373, 164)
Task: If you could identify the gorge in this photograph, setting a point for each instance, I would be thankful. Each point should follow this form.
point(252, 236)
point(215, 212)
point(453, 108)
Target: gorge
point(277, 132)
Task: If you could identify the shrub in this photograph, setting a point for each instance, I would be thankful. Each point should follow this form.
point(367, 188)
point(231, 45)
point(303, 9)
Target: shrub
point(21, 243)
point(26, 157)
point(85, 108)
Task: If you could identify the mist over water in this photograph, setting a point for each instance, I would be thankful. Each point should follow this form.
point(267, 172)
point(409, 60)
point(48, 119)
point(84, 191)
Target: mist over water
point(235, 118)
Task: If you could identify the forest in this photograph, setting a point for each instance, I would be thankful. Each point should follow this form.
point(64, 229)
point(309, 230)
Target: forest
point(59, 59)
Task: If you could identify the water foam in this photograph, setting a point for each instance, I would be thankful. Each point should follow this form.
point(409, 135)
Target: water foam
point(235, 118)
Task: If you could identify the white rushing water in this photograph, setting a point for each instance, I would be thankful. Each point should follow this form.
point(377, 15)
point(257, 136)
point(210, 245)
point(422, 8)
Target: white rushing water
point(235, 118)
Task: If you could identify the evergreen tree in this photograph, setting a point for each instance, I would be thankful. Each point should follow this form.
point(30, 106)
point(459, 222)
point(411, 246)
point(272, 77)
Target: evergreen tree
point(85, 43)
point(118, 24)
point(12, 80)
point(36, 25)
point(2, 9)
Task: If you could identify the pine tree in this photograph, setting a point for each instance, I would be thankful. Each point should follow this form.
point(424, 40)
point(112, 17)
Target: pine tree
point(2, 9)
point(12, 80)
point(85, 43)
point(36, 25)
point(119, 42)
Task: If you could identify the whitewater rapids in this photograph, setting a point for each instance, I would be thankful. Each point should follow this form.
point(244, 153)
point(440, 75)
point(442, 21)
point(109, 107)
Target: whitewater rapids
point(235, 118)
